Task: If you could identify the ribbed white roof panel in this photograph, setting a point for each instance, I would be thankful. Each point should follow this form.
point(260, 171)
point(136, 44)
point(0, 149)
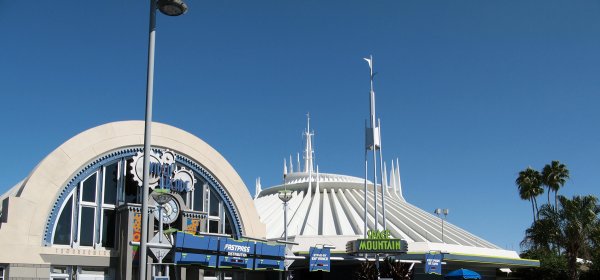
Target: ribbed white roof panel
point(334, 208)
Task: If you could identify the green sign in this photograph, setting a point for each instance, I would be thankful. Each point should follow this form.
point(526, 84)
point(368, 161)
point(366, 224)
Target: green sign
point(377, 242)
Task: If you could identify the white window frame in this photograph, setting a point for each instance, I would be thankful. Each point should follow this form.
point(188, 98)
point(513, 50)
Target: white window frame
point(87, 204)
point(73, 207)
point(104, 206)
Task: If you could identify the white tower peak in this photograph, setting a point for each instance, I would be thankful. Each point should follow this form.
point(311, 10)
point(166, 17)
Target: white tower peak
point(317, 178)
point(308, 149)
point(398, 182)
point(257, 188)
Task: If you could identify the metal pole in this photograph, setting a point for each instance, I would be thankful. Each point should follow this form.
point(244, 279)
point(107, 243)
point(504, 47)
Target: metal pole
point(285, 234)
point(285, 220)
point(442, 229)
point(366, 174)
point(147, 132)
point(375, 177)
point(383, 179)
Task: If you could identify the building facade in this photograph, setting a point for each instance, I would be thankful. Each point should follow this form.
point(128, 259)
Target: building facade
point(78, 213)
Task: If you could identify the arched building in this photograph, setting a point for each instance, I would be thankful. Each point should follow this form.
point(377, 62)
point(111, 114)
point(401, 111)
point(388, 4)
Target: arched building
point(77, 212)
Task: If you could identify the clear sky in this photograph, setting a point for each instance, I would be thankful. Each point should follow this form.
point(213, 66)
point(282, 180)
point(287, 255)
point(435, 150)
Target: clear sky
point(469, 92)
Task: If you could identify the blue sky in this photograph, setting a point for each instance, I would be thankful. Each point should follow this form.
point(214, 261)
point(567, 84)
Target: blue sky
point(469, 92)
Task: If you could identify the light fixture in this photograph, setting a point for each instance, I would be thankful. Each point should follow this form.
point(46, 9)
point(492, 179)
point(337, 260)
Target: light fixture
point(172, 7)
point(285, 195)
point(161, 196)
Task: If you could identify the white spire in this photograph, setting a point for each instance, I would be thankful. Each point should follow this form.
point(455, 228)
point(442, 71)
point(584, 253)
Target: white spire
point(291, 165)
point(257, 188)
point(384, 180)
point(398, 182)
point(308, 149)
point(393, 180)
point(285, 168)
point(317, 188)
point(298, 162)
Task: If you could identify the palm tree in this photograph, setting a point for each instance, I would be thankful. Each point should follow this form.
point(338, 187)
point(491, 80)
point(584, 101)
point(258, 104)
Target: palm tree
point(544, 234)
point(554, 176)
point(529, 183)
point(578, 218)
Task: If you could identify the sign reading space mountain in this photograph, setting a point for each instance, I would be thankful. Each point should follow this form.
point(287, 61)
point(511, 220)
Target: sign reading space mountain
point(377, 242)
point(163, 172)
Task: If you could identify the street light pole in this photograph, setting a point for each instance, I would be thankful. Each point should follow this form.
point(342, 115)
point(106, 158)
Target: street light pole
point(439, 211)
point(147, 133)
point(170, 8)
point(285, 196)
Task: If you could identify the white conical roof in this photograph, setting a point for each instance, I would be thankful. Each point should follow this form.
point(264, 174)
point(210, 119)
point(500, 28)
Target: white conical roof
point(333, 213)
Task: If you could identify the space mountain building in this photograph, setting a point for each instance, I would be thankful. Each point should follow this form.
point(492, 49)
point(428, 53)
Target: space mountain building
point(328, 209)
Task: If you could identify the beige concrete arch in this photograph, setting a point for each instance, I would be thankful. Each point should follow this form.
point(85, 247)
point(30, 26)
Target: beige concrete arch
point(22, 231)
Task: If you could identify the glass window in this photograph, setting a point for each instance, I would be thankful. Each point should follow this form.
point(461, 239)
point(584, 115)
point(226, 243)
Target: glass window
point(198, 195)
point(1, 273)
point(86, 237)
point(131, 186)
point(110, 183)
point(214, 204)
point(63, 227)
point(213, 226)
point(89, 189)
point(60, 272)
point(108, 228)
point(228, 225)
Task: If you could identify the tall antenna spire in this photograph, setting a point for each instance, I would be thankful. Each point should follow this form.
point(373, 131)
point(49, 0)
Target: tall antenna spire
point(308, 149)
point(285, 170)
point(372, 139)
point(291, 165)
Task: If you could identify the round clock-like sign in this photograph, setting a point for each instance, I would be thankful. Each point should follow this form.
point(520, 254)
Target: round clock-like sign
point(169, 211)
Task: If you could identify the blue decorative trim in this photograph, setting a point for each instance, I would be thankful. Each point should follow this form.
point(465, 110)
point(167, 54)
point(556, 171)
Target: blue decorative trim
point(126, 153)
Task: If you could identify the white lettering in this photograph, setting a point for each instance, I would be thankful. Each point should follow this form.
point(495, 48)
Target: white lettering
point(237, 248)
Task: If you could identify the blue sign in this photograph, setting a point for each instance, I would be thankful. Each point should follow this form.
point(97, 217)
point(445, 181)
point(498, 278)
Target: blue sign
point(225, 252)
point(268, 264)
point(269, 256)
point(433, 263)
point(236, 253)
point(319, 259)
point(196, 243)
point(197, 259)
point(265, 250)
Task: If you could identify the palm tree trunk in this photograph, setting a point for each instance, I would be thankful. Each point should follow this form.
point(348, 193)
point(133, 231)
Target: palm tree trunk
point(556, 200)
point(532, 209)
